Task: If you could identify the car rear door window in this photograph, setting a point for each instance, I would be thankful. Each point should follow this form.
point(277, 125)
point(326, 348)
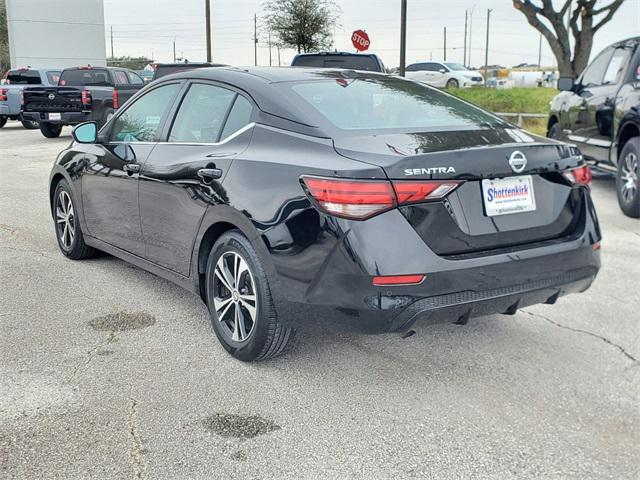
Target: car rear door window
point(141, 120)
point(121, 77)
point(201, 114)
point(239, 117)
point(616, 67)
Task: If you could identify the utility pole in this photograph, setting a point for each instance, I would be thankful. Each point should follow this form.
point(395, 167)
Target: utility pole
point(111, 42)
point(540, 52)
point(403, 36)
point(464, 62)
point(207, 14)
point(470, 29)
point(486, 49)
point(445, 44)
point(269, 41)
point(255, 39)
point(174, 49)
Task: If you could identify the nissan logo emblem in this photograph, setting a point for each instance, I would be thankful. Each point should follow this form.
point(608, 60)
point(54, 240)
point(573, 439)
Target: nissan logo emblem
point(51, 96)
point(517, 161)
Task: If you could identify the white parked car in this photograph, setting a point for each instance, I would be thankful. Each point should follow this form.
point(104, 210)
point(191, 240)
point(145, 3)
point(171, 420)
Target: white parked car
point(443, 74)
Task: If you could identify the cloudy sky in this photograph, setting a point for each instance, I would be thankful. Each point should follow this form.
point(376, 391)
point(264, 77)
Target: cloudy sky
point(148, 27)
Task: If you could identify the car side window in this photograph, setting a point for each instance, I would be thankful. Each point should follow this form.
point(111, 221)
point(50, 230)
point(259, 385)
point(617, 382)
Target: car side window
point(239, 116)
point(121, 77)
point(432, 67)
point(593, 75)
point(141, 120)
point(201, 114)
point(135, 78)
point(617, 66)
point(412, 68)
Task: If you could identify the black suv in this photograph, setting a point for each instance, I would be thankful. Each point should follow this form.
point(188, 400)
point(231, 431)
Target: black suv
point(351, 61)
point(600, 113)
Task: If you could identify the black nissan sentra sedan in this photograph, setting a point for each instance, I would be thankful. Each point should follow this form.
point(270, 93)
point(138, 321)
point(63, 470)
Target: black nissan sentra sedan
point(275, 192)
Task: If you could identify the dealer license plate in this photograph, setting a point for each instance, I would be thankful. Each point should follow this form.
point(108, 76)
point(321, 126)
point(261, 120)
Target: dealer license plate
point(503, 196)
point(55, 116)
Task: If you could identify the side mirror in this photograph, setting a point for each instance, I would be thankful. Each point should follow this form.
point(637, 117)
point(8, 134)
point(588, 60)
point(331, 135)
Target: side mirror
point(565, 84)
point(442, 70)
point(85, 132)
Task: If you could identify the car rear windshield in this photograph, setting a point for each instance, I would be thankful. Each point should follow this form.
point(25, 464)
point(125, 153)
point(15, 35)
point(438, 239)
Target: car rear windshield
point(382, 103)
point(85, 77)
point(353, 62)
point(23, 77)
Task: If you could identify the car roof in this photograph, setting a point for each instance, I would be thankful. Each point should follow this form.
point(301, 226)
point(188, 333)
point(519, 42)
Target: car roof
point(259, 83)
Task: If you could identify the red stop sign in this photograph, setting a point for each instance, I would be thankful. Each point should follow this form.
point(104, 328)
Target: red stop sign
point(360, 40)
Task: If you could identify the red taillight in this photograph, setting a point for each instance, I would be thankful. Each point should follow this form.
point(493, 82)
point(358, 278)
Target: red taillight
point(3, 94)
point(356, 199)
point(114, 96)
point(86, 97)
point(581, 175)
point(386, 280)
point(412, 192)
point(360, 199)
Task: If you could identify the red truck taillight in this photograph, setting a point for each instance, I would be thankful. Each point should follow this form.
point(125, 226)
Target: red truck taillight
point(86, 97)
point(114, 97)
point(3, 94)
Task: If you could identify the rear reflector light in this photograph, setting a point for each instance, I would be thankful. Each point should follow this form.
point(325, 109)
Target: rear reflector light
point(361, 199)
point(86, 97)
point(411, 192)
point(115, 99)
point(385, 280)
point(3, 94)
point(581, 175)
point(357, 199)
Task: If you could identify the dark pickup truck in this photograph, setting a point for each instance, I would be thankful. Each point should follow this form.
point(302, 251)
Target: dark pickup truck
point(83, 94)
point(600, 113)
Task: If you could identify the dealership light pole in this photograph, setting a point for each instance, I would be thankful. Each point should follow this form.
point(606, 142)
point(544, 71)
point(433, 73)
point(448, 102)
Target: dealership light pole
point(470, 30)
point(112, 42)
point(207, 14)
point(255, 39)
point(445, 44)
point(403, 36)
point(464, 61)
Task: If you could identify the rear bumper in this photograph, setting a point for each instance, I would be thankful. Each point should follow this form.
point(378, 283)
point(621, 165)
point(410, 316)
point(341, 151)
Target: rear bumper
point(453, 289)
point(66, 118)
point(5, 111)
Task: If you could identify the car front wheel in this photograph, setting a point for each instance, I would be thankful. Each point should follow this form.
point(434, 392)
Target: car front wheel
point(241, 308)
point(453, 83)
point(627, 179)
point(68, 230)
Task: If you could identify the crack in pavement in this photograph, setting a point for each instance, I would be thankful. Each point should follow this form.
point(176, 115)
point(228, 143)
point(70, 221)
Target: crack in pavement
point(91, 353)
point(586, 332)
point(136, 450)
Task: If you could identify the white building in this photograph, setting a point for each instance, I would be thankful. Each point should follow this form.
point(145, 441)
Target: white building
point(56, 33)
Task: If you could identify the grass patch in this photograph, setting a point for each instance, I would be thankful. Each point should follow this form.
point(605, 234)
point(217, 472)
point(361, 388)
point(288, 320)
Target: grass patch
point(508, 100)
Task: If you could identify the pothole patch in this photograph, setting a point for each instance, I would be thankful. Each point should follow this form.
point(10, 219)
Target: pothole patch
point(239, 426)
point(122, 321)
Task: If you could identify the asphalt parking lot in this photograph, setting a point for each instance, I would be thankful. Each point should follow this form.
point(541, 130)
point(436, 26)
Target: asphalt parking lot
point(109, 372)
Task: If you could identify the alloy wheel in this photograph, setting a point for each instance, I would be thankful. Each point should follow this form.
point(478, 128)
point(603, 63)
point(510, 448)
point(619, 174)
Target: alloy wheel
point(65, 220)
point(234, 296)
point(629, 177)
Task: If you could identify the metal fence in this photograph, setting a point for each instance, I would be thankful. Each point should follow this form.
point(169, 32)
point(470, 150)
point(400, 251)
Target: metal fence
point(521, 116)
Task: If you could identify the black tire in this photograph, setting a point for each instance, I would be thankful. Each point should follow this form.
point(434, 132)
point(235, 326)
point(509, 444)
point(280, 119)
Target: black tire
point(554, 131)
point(3, 120)
point(627, 178)
point(266, 337)
point(70, 239)
point(453, 83)
point(50, 130)
point(30, 124)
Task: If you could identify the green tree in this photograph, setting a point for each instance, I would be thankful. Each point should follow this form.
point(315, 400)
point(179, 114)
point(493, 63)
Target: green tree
point(305, 25)
point(584, 20)
point(134, 63)
point(5, 60)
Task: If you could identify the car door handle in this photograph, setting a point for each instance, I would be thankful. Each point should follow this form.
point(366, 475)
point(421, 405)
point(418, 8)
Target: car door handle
point(209, 174)
point(132, 168)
